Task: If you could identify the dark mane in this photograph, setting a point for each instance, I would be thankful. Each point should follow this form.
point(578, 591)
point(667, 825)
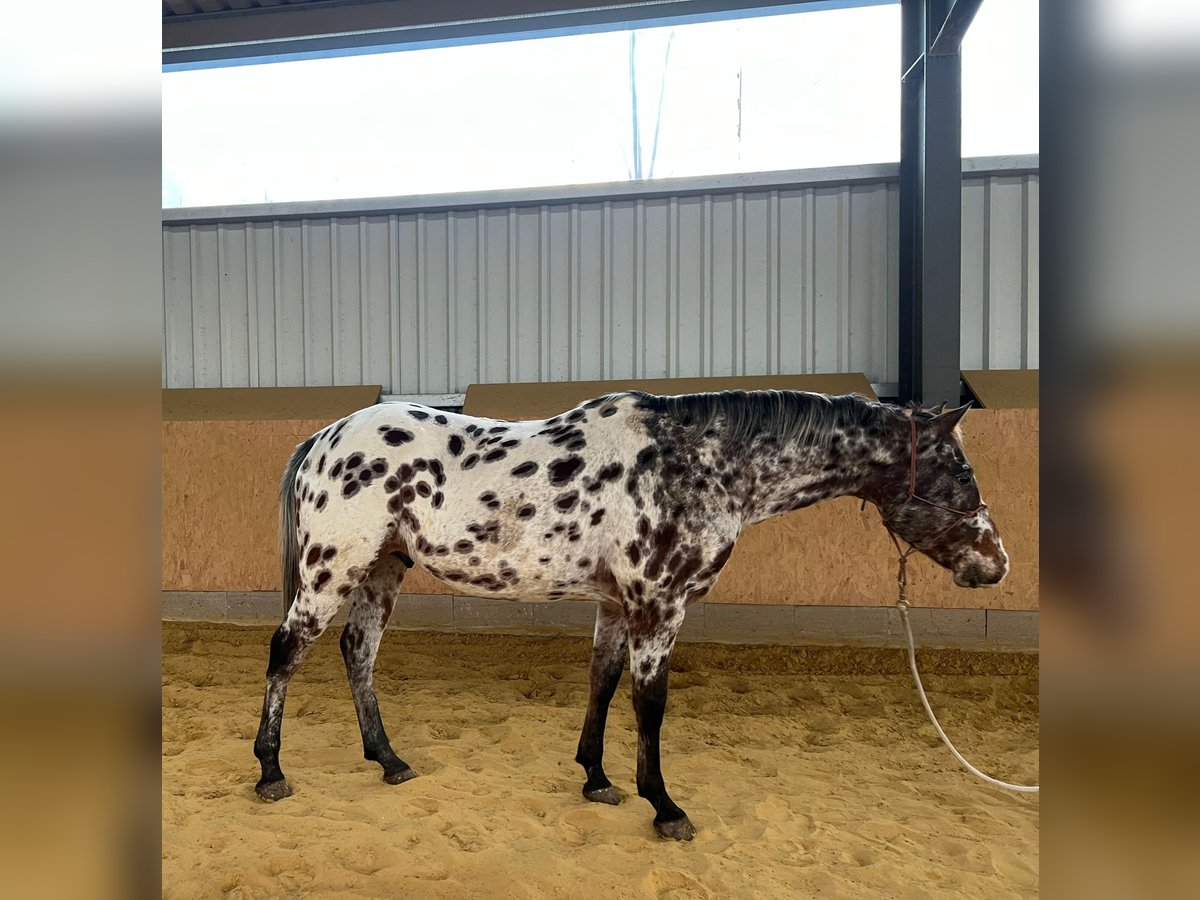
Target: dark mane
point(783, 415)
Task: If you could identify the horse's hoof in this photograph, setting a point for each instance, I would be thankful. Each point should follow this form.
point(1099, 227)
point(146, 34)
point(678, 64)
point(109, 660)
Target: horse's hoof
point(400, 776)
point(676, 829)
point(607, 795)
point(271, 791)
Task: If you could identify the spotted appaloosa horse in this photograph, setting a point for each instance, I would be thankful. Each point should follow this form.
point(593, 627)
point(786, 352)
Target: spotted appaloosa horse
point(632, 500)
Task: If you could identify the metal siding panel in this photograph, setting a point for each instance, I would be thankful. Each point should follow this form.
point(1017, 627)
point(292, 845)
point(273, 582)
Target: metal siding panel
point(756, 285)
point(379, 331)
point(467, 306)
point(206, 306)
point(346, 301)
point(827, 282)
point(722, 295)
point(622, 301)
point(656, 249)
point(493, 336)
point(892, 364)
point(528, 272)
point(793, 208)
point(691, 283)
point(557, 300)
point(973, 331)
point(262, 248)
point(289, 305)
point(235, 315)
point(868, 273)
point(763, 281)
point(317, 293)
point(433, 307)
point(407, 284)
point(587, 292)
point(1005, 267)
point(177, 308)
point(1032, 325)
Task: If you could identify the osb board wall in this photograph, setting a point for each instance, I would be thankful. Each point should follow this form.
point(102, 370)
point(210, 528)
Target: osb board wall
point(220, 481)
point(221, 507)
point(1004, 388)
point(835, 554)
point(256, 404)
point(541, 400)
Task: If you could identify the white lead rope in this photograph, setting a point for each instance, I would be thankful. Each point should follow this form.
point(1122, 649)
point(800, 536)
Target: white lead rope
point(912, 664)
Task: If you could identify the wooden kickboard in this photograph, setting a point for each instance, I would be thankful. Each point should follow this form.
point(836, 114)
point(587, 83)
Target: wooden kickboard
point(541, 400)
point(1004, 388)
point(326, 404)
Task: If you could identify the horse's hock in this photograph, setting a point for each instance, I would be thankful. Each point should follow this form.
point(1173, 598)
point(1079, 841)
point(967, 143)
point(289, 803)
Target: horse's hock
point(828, 570)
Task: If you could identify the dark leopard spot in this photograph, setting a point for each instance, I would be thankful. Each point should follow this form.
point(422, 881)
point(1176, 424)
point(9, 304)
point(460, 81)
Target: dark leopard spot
point(597, 516)
point(563, 470)
point(350, 489)
point(567, 502)
point(441, 420)
point(455, 445)
point(495, 456)
point(527, 511)
point(336, 469)
point(419, 415)
point(464, 546)
point(322, 578)
point(330, 553)
point(469, 462)
point(438, 499)
point(398, 436)
point(525, 469)
point(322, 499)
point(424, 489)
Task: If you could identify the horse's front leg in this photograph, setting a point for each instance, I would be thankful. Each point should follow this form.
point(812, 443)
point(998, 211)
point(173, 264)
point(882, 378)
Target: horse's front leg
point(649, 665)
point(608, 660)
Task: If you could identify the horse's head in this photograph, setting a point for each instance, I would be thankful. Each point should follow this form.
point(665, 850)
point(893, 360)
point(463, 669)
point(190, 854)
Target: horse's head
point(933, 502)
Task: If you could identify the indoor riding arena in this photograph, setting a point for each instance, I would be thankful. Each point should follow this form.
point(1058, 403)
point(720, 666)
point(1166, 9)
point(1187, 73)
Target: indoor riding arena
point(598, 440)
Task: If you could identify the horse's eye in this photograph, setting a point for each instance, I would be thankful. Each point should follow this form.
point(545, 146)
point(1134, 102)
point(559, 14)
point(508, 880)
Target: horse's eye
point(964, 478)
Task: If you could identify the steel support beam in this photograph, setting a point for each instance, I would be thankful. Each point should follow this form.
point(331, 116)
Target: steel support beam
point(931, 198)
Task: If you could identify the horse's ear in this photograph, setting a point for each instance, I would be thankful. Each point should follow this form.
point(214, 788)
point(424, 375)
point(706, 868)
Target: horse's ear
point(947, 421)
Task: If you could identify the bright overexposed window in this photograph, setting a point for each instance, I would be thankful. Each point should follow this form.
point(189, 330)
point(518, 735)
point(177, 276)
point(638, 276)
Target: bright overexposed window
point(793, 90)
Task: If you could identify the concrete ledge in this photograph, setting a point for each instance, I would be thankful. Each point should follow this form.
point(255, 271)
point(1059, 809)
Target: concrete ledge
point(1012, 629)
point(734, 623)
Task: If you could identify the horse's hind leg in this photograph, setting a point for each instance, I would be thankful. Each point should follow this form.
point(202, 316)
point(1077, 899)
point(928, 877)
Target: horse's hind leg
point(369, 615)
point(608, 660)
point(305, 621)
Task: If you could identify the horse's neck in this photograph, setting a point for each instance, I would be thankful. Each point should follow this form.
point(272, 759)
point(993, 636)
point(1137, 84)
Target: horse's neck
point(792, 476)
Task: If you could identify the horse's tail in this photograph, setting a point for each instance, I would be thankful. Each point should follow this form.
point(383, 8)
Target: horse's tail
point(289, 540)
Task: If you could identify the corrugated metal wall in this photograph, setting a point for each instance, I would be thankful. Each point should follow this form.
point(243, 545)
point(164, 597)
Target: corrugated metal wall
point(750, 282)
